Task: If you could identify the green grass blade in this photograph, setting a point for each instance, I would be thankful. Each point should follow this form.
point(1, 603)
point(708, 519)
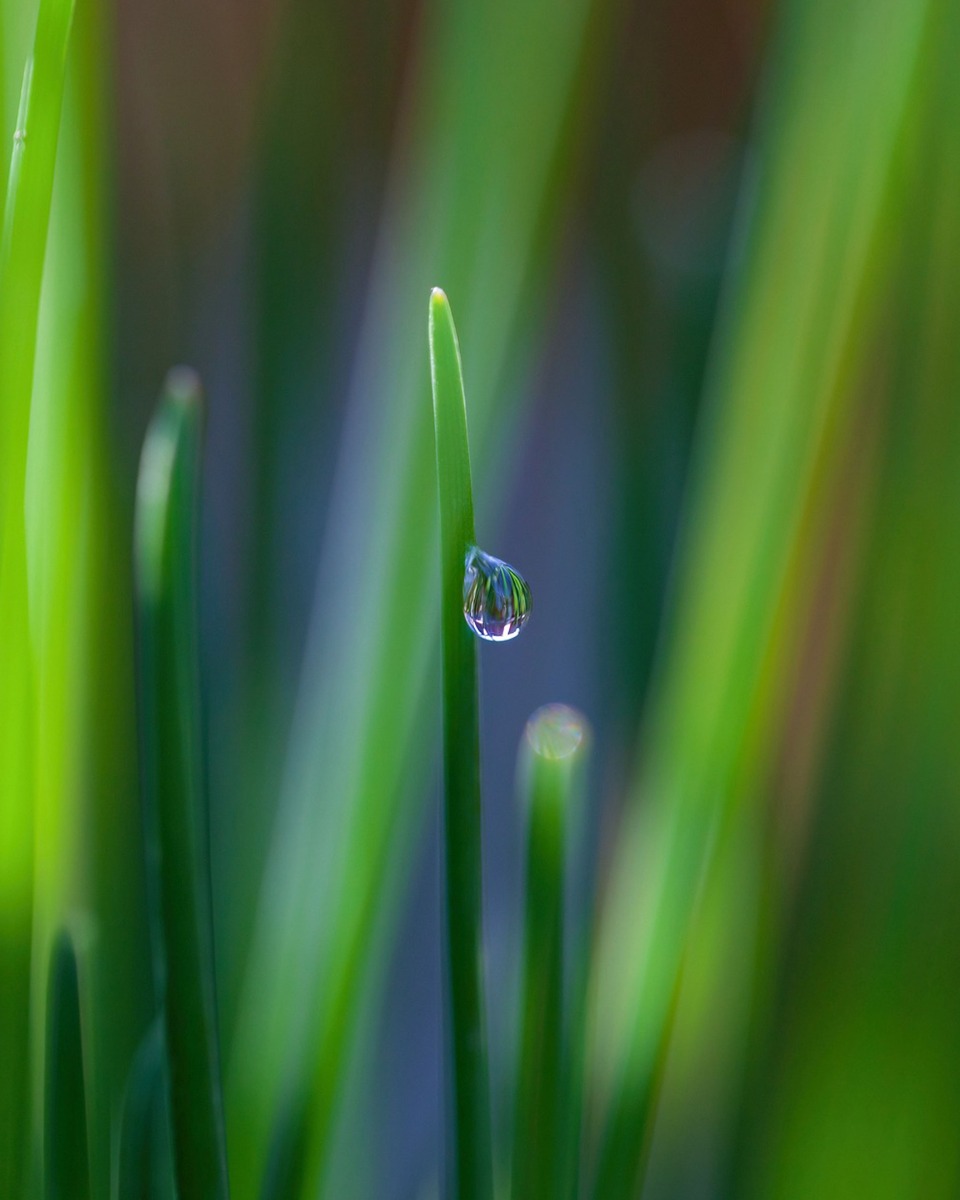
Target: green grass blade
point(791, 346)
point(175, 813)
point(22, 253)
point(144, 1170)
point(65, 1144)
point(24, 240)
point(471, 1162)
point(551, 761)
point(79, 549)
point(860, 1033)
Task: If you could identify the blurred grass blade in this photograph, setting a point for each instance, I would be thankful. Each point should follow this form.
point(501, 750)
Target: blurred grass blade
point(22, 252)
point(780, 401)
point(175, 814)
point(78, 507)
point(65, 1138)
point(469, 1149)
point(552, 755)
point(860, 1035)
point(144, 1170)
point(23, 246)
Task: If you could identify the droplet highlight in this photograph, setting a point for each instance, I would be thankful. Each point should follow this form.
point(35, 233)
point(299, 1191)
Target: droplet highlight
point(496, 598)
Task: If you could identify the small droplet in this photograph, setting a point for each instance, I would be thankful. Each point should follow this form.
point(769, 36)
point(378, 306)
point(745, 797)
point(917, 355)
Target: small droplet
point(496, 599)
point(19, 137)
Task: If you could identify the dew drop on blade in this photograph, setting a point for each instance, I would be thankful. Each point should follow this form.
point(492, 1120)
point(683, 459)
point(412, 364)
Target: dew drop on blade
point(496, 599)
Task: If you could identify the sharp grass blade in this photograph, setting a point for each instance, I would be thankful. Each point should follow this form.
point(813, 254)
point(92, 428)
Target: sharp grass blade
point(175, 814)
point(66, 1174)
point(552, 759)
point(470, 1160)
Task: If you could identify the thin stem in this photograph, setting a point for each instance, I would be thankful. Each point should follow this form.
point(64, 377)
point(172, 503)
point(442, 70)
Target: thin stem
point(470, 1152)
point(551, 759)
point(175, 814)
point(66, 1152)
point(144, 1170)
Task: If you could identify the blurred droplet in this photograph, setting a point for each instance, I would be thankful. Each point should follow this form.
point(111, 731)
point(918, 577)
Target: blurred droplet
point(496, 599)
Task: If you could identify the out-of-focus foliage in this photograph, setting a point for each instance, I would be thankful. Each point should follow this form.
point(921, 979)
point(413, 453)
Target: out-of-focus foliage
point(705, 260)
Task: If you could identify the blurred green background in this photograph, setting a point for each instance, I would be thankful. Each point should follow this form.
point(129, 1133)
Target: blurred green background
point(705, 261)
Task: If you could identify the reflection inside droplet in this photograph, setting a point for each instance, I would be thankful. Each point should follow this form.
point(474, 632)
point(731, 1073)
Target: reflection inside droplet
point(496, 600)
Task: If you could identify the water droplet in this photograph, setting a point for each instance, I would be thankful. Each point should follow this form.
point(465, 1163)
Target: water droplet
point(19, 137)
point(496, 599)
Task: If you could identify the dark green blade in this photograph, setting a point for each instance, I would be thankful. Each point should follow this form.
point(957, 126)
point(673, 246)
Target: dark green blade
point(175, 814)
point(471, 1162)
point(65, 1145)
point(552, 756)
point(144, 1170)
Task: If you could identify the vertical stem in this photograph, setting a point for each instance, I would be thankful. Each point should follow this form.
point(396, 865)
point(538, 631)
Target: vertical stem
point(174, 809)
point(66, 1173)
point(470, 1154)
point(143, 1160)
point(23, 244)
point(551, 755)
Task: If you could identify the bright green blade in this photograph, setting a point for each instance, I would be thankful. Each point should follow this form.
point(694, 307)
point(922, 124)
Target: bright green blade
point(23, 248)
point(22, 254)
point(175, 814)
point(79, 507)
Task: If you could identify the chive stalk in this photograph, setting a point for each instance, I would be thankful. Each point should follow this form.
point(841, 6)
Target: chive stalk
point(175, 814)
point(470, 1156)
point(66, 1173)
point(552, 756)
